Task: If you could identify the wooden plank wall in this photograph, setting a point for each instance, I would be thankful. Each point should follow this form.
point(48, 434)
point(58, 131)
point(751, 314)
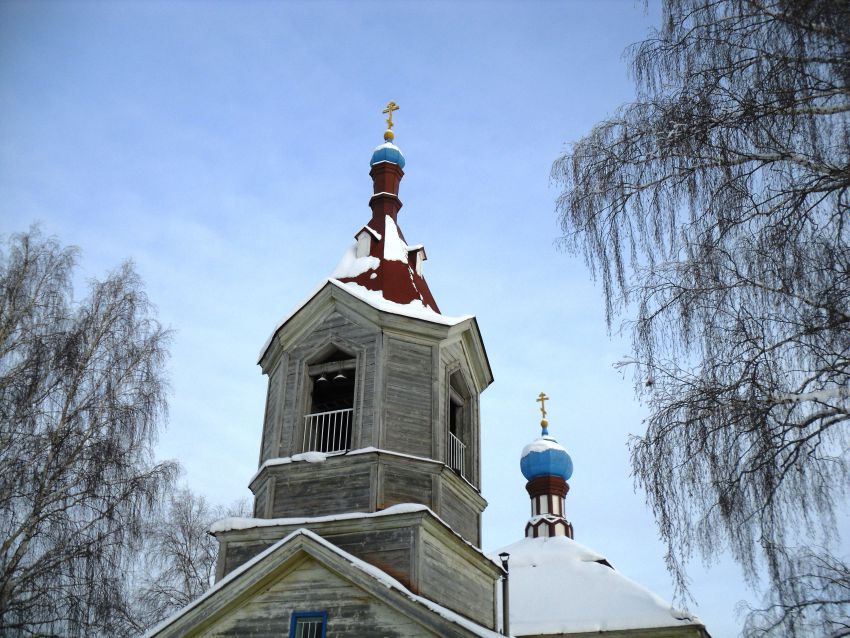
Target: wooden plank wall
point(312, 587)
point(407, 398)
point(459, 514)
point(400, 485)
point(273, 411)
point(451, 581)
point(390, 550)
point(345, 488)
point(260, 500)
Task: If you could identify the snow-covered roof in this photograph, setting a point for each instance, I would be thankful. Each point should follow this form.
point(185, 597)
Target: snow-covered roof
point(541, 445)
point(387, 269)
point(372, 571)
point(415, 309)
point(382, 269)
point(557, 586)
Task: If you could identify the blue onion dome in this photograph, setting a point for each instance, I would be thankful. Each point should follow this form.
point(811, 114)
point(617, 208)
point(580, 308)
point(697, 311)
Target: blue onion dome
point(387, 152)
point(545, 457)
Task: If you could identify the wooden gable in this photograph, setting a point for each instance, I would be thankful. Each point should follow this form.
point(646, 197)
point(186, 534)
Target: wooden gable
point(304, 573)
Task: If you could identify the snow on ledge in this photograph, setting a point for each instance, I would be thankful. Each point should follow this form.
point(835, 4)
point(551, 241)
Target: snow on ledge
point(239, 523)
point(355, 562)
point(319, 457)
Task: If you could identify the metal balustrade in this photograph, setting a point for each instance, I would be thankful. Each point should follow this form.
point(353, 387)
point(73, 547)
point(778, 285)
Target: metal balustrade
point(457, 455)
point(328, 431)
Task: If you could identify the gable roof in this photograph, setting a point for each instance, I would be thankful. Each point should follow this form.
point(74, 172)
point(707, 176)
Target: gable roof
point(558, 586)
point(256, 573)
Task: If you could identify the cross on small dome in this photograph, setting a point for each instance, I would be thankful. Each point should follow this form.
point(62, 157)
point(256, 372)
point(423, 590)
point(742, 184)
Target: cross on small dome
point(545, 456)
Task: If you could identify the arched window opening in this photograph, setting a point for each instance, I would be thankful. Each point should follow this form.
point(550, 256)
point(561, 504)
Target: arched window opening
point(459, 425)
point(327, 425)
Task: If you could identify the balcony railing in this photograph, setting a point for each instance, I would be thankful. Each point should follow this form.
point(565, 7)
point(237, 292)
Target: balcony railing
point(457, 455)
point(328, 431)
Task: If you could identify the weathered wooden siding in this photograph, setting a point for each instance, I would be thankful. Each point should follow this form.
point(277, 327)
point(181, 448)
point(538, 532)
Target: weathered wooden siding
point(407, 398)
point(402, 485)
point(239, 553)
point(415, 548)
point(351, 612)
point(391, 550)
point(260, 500)
point(459, 514)
point(453, 582)
point(346, 488)
point(274, 405)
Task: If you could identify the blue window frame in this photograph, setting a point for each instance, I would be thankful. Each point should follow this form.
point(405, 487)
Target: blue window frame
point(308, 624)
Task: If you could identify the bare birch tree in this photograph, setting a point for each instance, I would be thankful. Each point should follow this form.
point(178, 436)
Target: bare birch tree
point(176, 559)
point(715, 212)
point(81, 400)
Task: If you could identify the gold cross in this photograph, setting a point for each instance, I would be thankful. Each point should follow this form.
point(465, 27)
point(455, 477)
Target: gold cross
point(542, 399)
point(392, 106)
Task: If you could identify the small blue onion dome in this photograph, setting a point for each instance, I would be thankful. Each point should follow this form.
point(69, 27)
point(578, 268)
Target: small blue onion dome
point(387, 152)
point(545, 457)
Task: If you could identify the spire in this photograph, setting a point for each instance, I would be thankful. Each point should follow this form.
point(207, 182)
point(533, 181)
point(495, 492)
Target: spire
point(381, 260)
point(547, 466)
point(387, 163)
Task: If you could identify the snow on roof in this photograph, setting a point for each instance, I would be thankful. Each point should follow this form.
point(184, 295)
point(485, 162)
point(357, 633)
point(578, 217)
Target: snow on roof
point(350, 265)
point(415, 309)
point(371, 231)
point(394, 247)
point(541, 445)
point(357, 563)
point(557, 586)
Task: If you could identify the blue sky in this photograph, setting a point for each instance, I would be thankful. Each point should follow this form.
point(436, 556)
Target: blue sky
point(224, 148)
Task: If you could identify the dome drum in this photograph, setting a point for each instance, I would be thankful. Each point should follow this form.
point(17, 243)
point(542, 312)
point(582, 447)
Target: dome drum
point(550, 484)
point(548, 527)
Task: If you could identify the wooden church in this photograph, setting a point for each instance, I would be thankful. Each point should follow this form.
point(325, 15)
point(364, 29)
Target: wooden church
point(367, 500)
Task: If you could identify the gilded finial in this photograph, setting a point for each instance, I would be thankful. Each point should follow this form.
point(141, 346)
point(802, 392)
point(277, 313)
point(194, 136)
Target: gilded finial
point(542, 399)
point(389, 136)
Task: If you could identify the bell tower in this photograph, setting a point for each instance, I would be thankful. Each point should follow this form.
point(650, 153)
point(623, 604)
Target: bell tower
point(373, 393)
point(371, 435)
